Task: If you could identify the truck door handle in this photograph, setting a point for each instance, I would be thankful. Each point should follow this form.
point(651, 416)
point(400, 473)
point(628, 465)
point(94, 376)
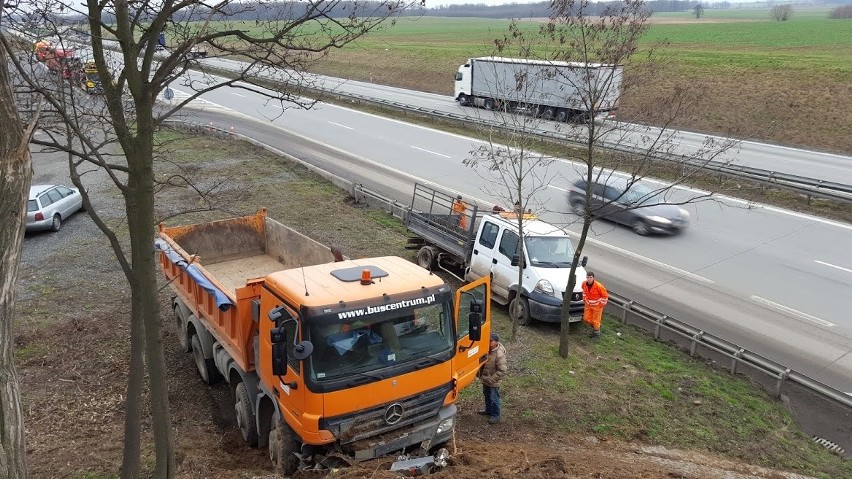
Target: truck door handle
point(494, 260)
point(476, 251)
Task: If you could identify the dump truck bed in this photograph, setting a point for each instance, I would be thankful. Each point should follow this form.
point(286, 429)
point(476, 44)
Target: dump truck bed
point(217, 269)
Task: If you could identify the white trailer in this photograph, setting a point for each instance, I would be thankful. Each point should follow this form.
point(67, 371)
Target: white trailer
point(555, 90)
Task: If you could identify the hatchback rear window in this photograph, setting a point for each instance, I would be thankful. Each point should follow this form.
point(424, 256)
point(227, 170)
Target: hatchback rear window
point(32, 205)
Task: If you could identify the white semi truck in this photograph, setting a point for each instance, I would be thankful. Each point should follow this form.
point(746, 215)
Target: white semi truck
point(552, 90)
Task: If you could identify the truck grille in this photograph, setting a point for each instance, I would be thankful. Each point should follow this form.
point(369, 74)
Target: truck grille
point(398, 417)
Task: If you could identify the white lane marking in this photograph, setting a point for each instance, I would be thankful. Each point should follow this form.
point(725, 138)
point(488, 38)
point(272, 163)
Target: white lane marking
point(341, 126)
point(237, 94)
point(792, 311)
point(833, 266)
point(430, 151)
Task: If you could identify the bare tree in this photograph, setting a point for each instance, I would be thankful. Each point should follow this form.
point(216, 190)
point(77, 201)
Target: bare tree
point(15, 176)
point(596, 46)
point(782, 13)
point(275, 47)
point(698, 10)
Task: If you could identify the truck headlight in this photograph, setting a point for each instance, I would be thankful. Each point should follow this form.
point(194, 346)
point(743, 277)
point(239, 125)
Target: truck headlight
point(544, 286)
point(446, 425)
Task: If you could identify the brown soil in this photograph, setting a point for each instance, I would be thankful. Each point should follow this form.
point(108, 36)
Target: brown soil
point(72, 354)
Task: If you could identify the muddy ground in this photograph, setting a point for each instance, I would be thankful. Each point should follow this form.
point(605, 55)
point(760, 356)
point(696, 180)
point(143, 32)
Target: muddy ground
point(72, 351)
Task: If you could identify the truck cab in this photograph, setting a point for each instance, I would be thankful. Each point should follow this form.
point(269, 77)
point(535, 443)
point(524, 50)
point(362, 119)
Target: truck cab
point(548, 252)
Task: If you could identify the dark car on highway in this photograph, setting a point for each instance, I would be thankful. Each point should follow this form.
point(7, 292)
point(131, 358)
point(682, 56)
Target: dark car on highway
point(50, 205)
point(636, 204)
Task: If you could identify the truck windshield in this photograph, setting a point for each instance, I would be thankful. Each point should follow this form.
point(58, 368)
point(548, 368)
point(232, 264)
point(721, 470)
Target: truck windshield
point(369, 342)
point(549, 251)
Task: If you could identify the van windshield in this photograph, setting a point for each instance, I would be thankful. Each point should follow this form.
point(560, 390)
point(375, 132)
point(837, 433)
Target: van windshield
point(549, 251)
point(363, 343)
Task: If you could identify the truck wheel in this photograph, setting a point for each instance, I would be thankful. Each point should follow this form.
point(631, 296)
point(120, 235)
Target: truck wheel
point(547, 114)
point(561, 115)
point(426, 258)
point(206, 367)
point(489, 104)
point(523, 314)
point(245, 416)
point(181, 330)
point(283, 447)
point(463, 101)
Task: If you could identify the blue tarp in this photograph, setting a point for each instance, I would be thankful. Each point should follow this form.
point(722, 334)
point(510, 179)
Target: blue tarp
point(222, 301)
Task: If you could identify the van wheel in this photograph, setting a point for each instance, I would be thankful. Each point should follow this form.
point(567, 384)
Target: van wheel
point(206, 367)
point(56, 225)
point(283, 447)
point(426, 258)
point(521, 315)
point(245, 415)
point(641, 228)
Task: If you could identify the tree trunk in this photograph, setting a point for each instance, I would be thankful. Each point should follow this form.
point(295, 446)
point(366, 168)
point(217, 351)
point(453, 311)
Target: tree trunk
point(140, 220)
point(15, 177)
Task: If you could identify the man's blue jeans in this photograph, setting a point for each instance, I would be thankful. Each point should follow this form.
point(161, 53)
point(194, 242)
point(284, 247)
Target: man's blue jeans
point(492, 401)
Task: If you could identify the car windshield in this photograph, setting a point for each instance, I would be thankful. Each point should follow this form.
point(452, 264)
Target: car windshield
point(549, 251)
point(32, 205)
point(642, 194)
point(365, 343)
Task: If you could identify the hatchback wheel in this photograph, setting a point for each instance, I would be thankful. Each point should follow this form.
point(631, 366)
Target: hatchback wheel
point(579, 208)
point(57, 223)
point(641, 228)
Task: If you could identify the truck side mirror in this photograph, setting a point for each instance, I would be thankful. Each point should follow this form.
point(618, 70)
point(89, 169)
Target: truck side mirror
point(474, 321)
point(584, 261)
point(278, 338)
point(302, 350)
point(516, 261)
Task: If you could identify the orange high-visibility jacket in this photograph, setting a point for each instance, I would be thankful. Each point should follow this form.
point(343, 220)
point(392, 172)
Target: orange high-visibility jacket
point(595, 296)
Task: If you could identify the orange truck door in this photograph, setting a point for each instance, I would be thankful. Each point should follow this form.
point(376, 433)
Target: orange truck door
point(289, 390)
point(470, 355)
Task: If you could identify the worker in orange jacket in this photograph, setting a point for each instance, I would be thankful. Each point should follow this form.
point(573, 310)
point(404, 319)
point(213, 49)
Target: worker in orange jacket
point(460, 208)
point(595, 297)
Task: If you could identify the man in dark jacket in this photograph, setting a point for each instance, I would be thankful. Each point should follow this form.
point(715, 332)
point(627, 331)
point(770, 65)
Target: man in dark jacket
point(491, 373)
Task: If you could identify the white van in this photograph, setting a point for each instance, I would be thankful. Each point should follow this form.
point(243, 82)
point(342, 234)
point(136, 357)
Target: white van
point(548, 255)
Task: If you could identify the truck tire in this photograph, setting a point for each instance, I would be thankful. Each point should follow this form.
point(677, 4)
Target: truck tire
point(426, 258)
point(206, 367)
point(489, 104)
point(561, 115)
point(181, 330)
point(523, 316)
point(245, 415)
point(283, 446)
point(548, 113)
point(463, 101)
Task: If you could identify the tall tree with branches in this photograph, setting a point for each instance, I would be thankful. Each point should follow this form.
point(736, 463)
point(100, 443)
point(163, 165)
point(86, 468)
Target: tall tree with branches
point(15, 176)
point(596, 47)
point(272, 43)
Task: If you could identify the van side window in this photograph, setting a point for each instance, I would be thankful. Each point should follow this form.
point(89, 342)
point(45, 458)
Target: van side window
point(509, 244)
point(488, 238)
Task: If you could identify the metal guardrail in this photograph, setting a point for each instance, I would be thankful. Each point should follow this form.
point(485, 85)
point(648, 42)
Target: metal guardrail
point(737, 355)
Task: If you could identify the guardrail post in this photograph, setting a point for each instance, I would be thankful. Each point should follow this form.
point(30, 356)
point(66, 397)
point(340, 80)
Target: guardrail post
point(693, 346)
point(781, 378)
point(626, 306)
point(657, 326)
point(735, 360)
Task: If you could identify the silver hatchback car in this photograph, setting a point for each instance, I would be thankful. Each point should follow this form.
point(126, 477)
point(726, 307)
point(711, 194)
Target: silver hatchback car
point(49, 205)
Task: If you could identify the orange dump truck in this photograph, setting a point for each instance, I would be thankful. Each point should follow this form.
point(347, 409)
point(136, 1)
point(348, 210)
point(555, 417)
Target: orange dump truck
point(327, 360)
